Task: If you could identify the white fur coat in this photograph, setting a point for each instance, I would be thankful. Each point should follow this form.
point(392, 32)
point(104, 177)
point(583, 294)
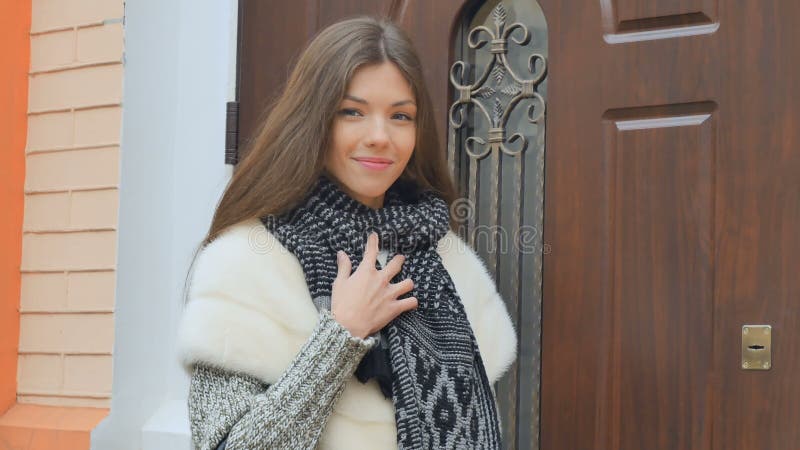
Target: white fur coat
point(250, 311)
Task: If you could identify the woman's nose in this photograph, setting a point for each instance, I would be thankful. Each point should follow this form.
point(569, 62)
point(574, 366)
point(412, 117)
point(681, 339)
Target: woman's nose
point(377, 135)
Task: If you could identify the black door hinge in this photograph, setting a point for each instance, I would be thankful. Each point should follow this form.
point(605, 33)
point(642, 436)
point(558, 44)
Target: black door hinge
point(232, 133)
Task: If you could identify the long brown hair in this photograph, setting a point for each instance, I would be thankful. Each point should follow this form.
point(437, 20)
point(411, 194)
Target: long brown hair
point(287, 153)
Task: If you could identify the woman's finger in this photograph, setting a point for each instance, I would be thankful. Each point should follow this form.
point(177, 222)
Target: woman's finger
point(405, 304)
point(400, 288)
point(343, 262)
point(393, 267)
point(371, 250)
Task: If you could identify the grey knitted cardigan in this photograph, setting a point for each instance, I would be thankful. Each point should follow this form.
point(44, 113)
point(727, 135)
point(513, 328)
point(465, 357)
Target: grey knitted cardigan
point(291, 413)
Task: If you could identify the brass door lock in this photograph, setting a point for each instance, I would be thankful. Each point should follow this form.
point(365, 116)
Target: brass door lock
point(756, 347)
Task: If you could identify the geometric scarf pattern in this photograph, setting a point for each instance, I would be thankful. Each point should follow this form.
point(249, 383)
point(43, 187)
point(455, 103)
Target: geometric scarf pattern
point(441, 394)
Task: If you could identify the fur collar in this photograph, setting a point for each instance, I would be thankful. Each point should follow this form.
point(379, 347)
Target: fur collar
point(250, 311)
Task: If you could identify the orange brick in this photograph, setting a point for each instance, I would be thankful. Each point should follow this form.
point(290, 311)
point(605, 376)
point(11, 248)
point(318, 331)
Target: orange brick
point(75, 88)
point(91, 250)
point(43, 292)
point(91, 291)
point(67, 333)
point(98, 126)
point(49, 14)
point(26, 438)
point(36, 427)
point(40, 372)
point(73, 169)
point(71, 419)
point(46, 212)
point(100, 43)
point(88, 373)
point(50, 130)
point(52, 50)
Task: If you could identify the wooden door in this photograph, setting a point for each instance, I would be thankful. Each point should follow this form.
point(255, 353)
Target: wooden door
point(671, 211)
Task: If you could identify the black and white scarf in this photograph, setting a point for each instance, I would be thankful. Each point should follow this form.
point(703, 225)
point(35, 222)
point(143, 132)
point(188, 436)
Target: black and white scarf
point(439, 387)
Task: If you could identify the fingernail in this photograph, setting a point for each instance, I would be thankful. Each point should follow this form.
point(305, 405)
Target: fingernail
point(339, 255)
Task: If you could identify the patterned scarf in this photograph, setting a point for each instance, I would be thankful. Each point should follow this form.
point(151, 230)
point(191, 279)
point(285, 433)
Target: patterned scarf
point(440, 390)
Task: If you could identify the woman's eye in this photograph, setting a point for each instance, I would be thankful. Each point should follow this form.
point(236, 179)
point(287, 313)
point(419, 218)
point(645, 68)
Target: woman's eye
point(349, 112)
point(403, 116)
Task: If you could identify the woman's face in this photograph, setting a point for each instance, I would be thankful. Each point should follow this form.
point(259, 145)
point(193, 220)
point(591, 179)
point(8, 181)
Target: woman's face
point(373, 133)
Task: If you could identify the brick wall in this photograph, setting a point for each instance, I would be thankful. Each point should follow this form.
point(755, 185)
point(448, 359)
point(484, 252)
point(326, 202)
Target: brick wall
point(70, 221)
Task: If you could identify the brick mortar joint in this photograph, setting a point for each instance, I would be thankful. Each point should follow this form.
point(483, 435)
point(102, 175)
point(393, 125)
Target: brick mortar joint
point(78, 26)
point(75, 67)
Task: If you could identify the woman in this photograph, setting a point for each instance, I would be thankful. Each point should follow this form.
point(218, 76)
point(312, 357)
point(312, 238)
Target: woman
point(289, 347)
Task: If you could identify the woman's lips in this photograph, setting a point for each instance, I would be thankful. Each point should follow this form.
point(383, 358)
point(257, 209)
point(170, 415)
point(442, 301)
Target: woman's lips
point(374, 163)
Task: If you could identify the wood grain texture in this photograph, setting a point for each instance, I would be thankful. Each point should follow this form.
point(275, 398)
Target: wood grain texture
point(687, 237)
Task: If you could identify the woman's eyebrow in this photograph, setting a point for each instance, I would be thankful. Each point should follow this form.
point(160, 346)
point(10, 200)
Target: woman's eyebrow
point(361, 100)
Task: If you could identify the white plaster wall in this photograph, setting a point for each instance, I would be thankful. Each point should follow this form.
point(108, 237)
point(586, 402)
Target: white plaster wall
point(179, 73)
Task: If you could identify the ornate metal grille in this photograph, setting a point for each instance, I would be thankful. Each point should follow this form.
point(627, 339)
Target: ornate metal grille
point(496, 150)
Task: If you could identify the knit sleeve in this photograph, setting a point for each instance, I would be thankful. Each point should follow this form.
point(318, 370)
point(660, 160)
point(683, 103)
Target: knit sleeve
point(292, 412)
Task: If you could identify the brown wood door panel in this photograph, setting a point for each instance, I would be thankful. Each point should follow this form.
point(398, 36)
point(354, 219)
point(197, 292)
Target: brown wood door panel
point(333, 11)
point(668, 215)
point(659, 328)
point(757, 223)
point(270, 34)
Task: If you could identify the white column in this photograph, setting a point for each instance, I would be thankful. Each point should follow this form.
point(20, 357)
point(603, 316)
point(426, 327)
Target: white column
point(179, 73)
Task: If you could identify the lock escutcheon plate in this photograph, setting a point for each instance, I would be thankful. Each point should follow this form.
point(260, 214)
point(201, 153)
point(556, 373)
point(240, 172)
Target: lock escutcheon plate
point(756, 347)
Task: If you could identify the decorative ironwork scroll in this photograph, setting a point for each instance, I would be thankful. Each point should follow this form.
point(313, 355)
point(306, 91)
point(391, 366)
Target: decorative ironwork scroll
point(496, 125)
point(504, 87)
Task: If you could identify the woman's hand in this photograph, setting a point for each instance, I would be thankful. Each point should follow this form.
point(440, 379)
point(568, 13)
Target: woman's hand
point(366, 301)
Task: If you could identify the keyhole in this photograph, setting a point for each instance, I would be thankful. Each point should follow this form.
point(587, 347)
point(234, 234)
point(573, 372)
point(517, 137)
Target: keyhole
point(755, 347)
